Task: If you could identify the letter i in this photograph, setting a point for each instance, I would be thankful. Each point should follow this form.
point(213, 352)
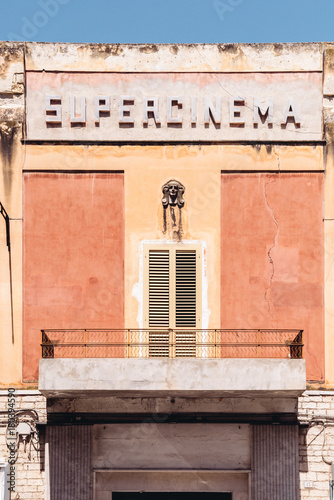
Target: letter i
point(193, 111)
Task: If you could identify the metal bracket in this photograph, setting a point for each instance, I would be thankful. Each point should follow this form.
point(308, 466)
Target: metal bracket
point(6, 217)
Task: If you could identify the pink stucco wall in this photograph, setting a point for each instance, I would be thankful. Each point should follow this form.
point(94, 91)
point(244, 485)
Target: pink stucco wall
point(73, 256)
point(272, 257)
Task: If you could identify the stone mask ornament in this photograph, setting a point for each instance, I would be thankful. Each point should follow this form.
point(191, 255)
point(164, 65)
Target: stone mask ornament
point(173, 194)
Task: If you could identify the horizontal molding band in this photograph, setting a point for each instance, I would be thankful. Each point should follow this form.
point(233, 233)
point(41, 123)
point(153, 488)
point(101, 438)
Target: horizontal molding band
point(41, 142)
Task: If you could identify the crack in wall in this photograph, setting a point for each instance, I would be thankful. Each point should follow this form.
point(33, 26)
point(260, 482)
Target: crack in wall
point(275, 221)
point(278, 160)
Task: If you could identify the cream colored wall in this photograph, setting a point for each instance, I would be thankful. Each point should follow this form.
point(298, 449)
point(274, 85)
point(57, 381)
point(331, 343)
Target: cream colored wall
point(11, 161)
point(226, 157)
point(11, 280)
point(329, 212)
point(11, 288)
point(147, 168)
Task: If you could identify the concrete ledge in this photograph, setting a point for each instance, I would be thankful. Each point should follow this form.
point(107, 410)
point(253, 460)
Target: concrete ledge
point(184, 58)
point(171, 377)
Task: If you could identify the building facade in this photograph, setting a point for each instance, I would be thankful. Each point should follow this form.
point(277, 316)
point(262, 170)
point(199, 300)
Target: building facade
point(167, 280)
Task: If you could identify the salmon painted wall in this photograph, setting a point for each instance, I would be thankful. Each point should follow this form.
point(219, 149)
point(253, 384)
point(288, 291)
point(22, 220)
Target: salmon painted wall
point(272, 257)
point(73, 256)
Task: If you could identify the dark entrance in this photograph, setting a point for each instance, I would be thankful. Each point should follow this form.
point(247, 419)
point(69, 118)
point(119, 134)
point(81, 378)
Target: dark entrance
point(171, 495)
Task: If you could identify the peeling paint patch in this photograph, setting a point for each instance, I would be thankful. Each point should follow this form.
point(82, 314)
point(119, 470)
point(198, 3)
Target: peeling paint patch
point(232, 48)
point(8, 131)
point(278, 48)
point(116, 50)
point(9, 54)
point(149, 49)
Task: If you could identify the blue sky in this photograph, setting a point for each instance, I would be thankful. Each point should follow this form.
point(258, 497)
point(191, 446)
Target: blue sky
point(167, 21)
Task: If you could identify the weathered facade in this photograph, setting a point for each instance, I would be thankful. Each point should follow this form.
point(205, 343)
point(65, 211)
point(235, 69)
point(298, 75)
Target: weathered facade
point(166, 270)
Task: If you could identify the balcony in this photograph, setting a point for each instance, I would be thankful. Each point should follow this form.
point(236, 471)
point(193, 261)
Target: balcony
point(172, 343)
point(159, 363)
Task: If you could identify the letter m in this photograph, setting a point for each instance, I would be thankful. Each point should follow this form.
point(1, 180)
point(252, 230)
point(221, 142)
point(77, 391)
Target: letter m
point(264, 110)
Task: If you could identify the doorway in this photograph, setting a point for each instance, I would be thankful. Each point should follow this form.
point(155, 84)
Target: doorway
point(171, 495)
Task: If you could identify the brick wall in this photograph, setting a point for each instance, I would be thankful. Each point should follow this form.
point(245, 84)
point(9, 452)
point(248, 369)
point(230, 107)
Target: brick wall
point(316, 443)
point(30, 464)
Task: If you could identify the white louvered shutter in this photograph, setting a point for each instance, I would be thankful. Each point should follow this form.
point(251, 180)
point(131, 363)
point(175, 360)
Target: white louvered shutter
point(185, 289)
point(185, 302)
point(172, 301)
point(159, 289)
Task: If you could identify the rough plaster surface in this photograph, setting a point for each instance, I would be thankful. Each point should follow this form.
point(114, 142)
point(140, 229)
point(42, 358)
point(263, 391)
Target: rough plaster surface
point(191, 446)
point(179, 57)
point(70, 279)
point(172, 376)
point(280, 87)
point(272, 241)
point(11, 161)
point(179, 405)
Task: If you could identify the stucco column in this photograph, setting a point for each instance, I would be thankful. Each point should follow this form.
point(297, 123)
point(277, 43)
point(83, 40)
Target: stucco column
point(11, 161)
point(328, 91)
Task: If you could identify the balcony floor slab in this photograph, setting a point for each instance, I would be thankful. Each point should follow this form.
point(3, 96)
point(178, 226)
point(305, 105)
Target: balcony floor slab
point(143, 377)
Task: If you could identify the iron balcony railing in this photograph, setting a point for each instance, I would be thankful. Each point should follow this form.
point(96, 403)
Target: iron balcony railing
point(174, 343)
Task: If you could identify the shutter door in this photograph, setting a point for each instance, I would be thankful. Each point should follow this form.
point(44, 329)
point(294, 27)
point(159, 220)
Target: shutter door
point(70, 468)
point(275, 462)
point(185, 302)
point(172, 277)
point(159, 288)
point(159, 302)
point(185, 289)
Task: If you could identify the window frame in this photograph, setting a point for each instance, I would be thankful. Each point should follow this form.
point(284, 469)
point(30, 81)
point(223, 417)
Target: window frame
point(173, 248)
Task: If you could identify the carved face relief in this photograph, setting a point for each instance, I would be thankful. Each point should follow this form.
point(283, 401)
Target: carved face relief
point(173, 194)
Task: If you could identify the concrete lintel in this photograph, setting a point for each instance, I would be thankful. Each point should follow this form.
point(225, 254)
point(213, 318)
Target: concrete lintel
point(169, 405)
point(144, 377)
